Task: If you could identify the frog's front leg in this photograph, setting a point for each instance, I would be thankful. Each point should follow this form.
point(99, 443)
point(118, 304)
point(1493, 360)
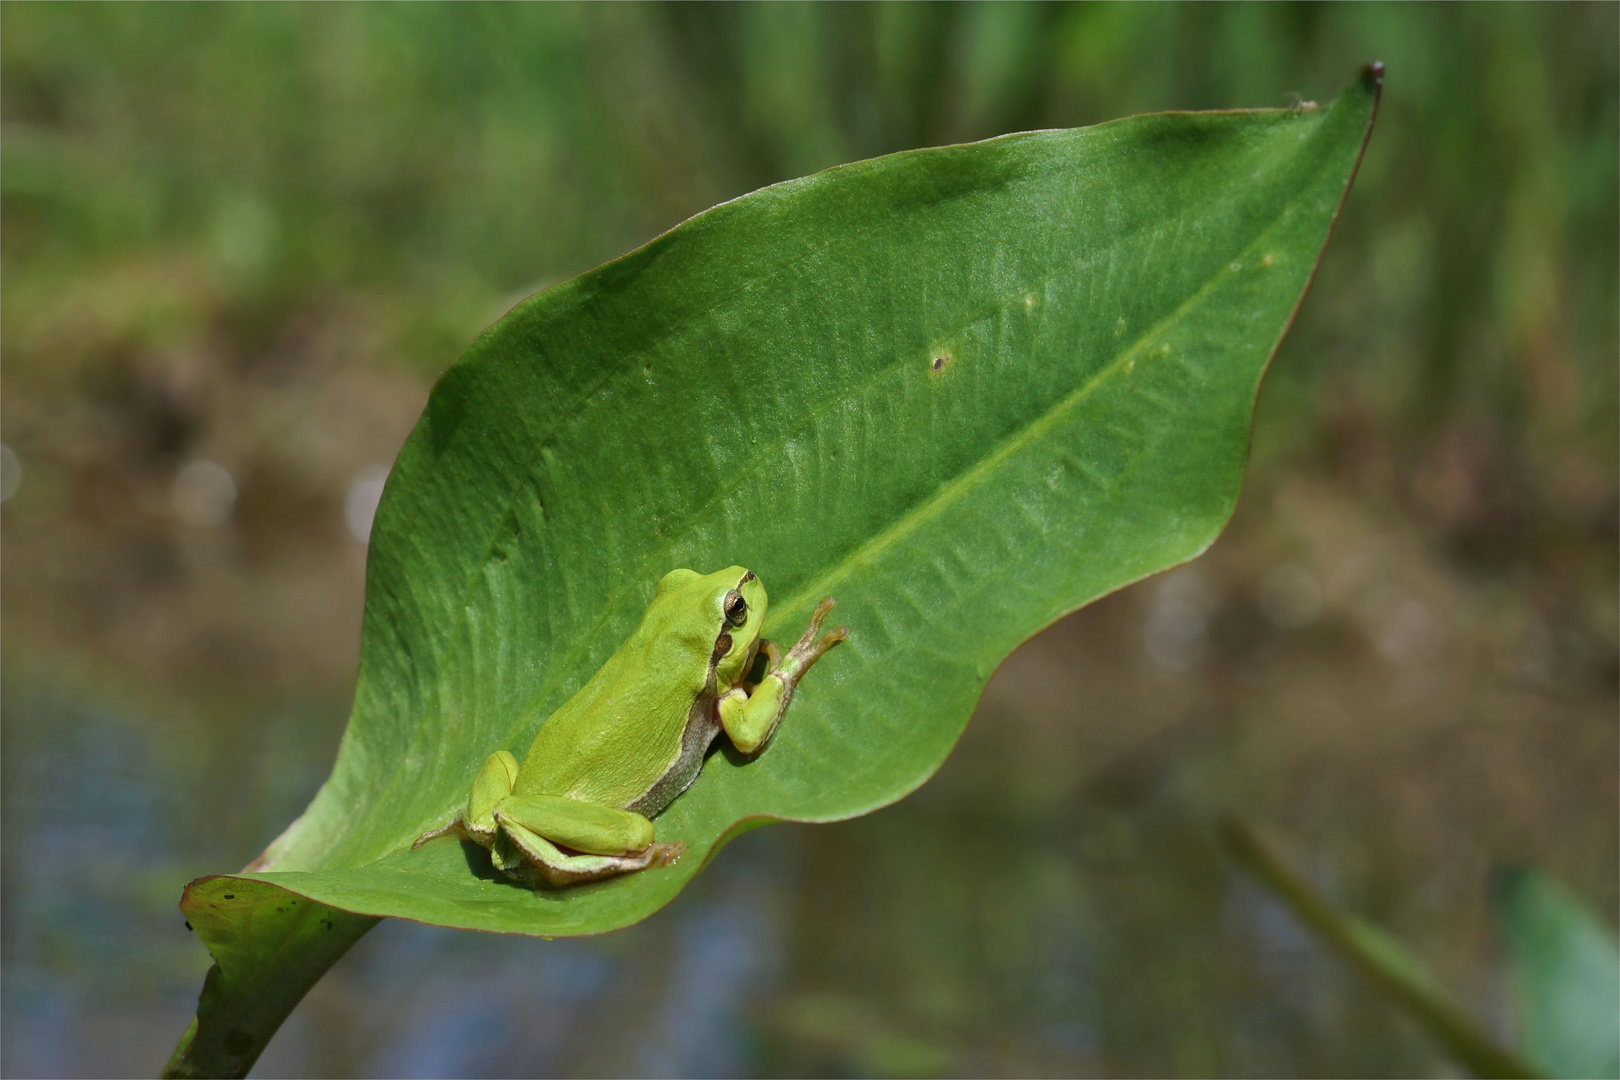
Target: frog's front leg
point(603, 840)
point(751, 718)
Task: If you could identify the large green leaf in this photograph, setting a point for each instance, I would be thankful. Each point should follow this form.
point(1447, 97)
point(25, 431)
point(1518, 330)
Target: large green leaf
point(1564, 972)
point(964, 390)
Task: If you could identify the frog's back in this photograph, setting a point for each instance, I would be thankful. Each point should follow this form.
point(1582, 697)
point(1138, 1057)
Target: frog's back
point(621, 733)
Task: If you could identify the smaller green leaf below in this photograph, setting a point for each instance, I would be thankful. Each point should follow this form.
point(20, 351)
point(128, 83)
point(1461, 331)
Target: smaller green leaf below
point(269, 947)
point(1378, 957)
point(1564, 972)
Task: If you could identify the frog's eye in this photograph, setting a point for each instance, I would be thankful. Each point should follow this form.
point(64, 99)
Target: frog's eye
point(736, 608)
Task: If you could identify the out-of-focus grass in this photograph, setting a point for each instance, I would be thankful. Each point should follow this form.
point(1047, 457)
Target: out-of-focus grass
point(252, 234)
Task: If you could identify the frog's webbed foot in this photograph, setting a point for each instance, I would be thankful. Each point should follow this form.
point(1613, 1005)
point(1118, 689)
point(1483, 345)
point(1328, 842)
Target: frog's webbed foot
point(750, 714)
point(532, 859)
point(453, 827)
point(476, 820)
point(809, 648)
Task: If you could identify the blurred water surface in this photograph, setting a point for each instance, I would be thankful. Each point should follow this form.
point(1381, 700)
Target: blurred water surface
point(240, 242)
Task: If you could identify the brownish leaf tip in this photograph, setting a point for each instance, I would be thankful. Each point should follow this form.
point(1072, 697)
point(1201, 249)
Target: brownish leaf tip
point(1372, 77)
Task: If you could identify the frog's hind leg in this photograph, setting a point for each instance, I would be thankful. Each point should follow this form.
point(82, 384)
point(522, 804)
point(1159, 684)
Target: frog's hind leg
point(566, 840)
point(587, 827)
point(476, 820)
point(551, 864)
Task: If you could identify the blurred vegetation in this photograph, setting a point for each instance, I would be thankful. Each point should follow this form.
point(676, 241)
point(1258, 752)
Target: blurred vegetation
point(253, 234)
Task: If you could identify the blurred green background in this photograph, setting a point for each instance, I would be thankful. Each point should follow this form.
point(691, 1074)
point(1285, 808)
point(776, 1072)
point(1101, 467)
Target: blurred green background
point(241, 241)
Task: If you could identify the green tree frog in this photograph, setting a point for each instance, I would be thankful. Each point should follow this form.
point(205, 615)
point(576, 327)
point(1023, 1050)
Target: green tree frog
point(618, 752)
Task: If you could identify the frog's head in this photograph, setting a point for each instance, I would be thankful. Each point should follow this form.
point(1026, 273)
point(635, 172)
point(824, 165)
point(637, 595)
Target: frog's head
point(718, 615)
point(732, 603)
